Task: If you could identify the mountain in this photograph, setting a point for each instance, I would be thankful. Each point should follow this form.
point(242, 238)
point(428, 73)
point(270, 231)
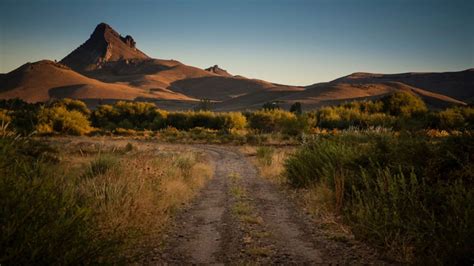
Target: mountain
point(108, 66)
point(104, 45)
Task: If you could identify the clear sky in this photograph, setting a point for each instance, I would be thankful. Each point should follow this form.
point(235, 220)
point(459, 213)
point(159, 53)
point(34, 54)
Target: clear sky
point(291, 42)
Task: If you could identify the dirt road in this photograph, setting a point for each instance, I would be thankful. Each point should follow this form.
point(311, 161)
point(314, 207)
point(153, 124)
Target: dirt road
point(241, 218)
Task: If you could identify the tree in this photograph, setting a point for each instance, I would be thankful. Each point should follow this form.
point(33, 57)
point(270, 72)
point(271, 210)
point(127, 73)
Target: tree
point(404, 104)
point(204, 105)
point(296, 108)
point(270, 106)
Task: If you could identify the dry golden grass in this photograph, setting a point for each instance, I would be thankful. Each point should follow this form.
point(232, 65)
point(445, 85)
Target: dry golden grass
point(142, 189)
point(273, 170)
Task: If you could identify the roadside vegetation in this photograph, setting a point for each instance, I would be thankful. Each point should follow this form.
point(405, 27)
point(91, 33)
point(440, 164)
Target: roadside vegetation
point(398, 112)
point(411, 196)
point(390, 172)
point(89, 203)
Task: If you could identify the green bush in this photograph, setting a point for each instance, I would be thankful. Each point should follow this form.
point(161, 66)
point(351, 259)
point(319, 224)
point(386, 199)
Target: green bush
point(5, 117)
point(129, 115)
point(296, 108)
point(59, 119)
point(270, 120)
point(404, 104)
point(410, 194)
point(234, 120)
point(42, 220)
point(23, 115)
point(72, 105)
point(100, 165)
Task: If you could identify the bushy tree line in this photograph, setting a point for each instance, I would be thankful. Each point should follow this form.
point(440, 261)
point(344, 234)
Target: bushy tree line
point(400, 111)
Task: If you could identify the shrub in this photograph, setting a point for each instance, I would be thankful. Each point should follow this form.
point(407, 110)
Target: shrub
point(270, 120)
point(5, 117)
point(408, 193)
point(296, 108)
point(59, 119)
point(234, 120)
point(136, 115)
point(23, 115)
point(99, 166)
point(178, 120)
point(72, 105)
point(204, 105)
point(42, 220)
point(268, 106)
point(404, 104)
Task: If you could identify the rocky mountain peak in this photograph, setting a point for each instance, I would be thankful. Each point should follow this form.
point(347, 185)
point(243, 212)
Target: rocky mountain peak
point(104, 45)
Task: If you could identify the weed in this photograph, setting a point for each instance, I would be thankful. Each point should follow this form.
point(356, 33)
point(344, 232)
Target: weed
point(100, 165)
point(265, 154)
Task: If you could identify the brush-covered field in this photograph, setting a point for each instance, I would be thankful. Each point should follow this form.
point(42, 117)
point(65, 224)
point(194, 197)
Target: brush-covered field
point(389, 173)
point(68, 201)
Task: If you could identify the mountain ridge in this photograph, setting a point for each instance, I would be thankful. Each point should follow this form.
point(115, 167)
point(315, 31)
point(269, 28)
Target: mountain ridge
point(110, 66)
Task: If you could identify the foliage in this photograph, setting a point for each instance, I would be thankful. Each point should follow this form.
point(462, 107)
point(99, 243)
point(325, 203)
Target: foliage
point(296, 108)
point(265, 154)
point(128, 115)
point(404, 104)
point(100, 165)
point(270, 120)
point(23, 115)
point(270, 106)
point(408, 193)
point(59, 119)
point(204, 105)
point(4, 116)
point(455, 118)
point(72, 105)
point(43, 221)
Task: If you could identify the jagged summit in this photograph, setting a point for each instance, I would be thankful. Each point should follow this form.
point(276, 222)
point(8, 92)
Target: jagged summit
point(219, 71)
point(104, 45)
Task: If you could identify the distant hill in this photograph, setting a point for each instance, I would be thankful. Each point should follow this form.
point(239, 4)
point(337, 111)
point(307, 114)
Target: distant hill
point(110, 66)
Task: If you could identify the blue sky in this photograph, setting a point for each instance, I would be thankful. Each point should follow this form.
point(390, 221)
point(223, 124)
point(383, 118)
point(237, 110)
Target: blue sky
point(291, 42)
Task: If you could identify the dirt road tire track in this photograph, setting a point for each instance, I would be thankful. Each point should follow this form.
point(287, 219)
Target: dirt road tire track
point(208, 232)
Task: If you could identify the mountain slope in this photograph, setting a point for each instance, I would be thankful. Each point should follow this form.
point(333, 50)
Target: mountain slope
point(43, 80)
point(458, 85)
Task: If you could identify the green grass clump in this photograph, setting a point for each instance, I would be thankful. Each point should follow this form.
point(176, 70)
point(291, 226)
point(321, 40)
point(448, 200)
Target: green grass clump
point(409, 194)
point(265, 154)
point(100, 165)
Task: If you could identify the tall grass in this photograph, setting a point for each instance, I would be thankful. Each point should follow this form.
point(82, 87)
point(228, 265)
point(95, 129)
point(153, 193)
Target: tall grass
point(411, 195)
point(42, 219)
point(93, 208)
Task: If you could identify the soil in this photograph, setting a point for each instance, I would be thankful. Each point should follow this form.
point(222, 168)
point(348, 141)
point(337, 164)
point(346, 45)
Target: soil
point(273, 230)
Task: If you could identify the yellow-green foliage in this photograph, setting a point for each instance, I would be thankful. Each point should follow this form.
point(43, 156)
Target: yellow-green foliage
point(354, 114)
point(235, 120)
point(129, 115)
point(72, 105)
point(404, 104)
point(59, 119)
point(4, 116)
point(457, 117)
point(270, 120)
point(398, 191)
point(206, 119)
